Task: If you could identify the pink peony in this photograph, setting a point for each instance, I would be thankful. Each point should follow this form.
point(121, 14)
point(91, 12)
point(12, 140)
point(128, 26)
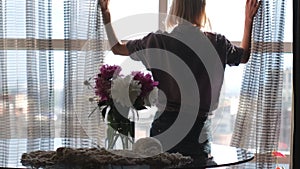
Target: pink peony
point(146, 81)
point(103, 80)
point(108, 72)
point(102, 88)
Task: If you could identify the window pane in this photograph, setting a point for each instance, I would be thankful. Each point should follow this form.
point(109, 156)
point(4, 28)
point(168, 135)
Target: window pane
point(225, 19)
point(17, 87)
point(287, 93)
point(58, 19)
point(19, 15)
point(224, 116)
point(58, 91)
point(128, 18)
point(229, 21)
point(288, 33)
point(124, 11)
point(15, 21)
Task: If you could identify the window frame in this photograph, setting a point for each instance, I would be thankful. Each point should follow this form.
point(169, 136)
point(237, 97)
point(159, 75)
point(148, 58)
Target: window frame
point(78, 44)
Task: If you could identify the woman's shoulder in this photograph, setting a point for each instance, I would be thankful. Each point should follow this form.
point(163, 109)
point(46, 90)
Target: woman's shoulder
point(154, 35)
point(215, 36)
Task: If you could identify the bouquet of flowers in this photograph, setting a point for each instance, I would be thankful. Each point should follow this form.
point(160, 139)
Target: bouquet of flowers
point(117, 95)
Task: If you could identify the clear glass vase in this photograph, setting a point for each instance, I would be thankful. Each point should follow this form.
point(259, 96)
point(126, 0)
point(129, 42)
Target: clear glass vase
point(120, 128)
point(119, 135)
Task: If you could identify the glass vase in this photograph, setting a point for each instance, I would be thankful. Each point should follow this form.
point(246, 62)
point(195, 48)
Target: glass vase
point(119, 128)
point(119, 135)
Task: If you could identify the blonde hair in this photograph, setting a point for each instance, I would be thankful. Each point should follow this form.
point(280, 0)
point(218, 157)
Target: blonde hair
point(192, 11)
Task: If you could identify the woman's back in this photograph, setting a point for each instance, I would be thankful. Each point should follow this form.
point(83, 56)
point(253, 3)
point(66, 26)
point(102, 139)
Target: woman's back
point(176, 65)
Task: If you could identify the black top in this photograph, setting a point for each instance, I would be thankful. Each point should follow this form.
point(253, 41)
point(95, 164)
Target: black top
point(188, 64)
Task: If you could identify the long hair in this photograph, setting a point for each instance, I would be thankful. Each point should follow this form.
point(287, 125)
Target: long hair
point(192, 11)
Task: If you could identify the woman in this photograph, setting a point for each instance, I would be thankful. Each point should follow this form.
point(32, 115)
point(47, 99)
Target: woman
point(170, 56)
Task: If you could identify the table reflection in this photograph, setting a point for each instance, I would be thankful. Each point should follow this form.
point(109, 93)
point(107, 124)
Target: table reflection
point(222, 156)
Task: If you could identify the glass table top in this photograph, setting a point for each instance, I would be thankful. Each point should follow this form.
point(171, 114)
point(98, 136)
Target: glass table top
point(221, 156)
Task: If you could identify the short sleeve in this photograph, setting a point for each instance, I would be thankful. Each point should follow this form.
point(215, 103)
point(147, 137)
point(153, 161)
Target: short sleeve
point(233, 53)
point(136, 47)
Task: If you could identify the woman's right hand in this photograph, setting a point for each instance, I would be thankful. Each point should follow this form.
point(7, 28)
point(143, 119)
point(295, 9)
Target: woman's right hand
point(251, 9)
point(103, 5)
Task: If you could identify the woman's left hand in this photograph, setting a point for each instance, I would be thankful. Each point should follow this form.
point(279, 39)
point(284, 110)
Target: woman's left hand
point(252, 7)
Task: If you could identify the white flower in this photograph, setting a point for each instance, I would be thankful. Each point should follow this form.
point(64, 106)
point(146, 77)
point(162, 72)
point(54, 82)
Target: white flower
point(151, 100)
point(134, 90)
point(125, 90)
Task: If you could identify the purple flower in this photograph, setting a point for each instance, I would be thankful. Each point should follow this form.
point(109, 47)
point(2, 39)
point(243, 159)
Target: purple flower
point(108, 72)
point(102, 88)
point(146, 81)
point(103, 80)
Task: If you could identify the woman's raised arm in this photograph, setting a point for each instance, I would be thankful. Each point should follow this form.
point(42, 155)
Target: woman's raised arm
point(117, 47)
point(251, 9)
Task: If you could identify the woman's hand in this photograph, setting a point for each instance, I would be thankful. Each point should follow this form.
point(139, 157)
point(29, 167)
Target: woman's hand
point(252, 8)
point(116, 47)
point(103, 5)
point(105, 11)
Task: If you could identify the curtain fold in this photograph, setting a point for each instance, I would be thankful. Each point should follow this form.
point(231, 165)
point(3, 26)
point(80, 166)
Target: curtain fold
point(35, 113)
point(257, 124)
point(4, 102)
point(26, 82)
point(79, 66)
point(39, 76)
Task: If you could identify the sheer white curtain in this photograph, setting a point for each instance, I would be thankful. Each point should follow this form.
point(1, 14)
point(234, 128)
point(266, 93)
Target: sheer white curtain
point(257, 125)
point(28, 87)
point(81, 65)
